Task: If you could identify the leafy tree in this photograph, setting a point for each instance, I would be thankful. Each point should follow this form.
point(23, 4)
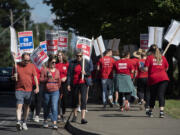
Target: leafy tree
point(114, 18)
point(39, 32)
point(20, 9)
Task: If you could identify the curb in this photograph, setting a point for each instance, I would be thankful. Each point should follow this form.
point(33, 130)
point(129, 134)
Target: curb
point(76, 131)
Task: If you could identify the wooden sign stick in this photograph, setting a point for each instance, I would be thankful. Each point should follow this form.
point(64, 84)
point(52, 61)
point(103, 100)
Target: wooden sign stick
point(15, 66)
point(113, 43)
point(155, 29)
point(99, 47)
point(83, 64)
point(171, 41)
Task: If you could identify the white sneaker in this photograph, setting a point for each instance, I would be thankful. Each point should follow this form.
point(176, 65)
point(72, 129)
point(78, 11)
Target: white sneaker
point(18, 126)
point(79, 109)
point(24, 126)
point(36, 119)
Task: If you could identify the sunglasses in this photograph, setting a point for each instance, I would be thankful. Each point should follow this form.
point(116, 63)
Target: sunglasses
point(78, 55)
point(26, 60)
point(59, 55)
point(53, 62)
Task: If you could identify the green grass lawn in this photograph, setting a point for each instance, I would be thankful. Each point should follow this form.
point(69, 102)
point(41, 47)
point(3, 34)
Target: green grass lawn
point(172, 107)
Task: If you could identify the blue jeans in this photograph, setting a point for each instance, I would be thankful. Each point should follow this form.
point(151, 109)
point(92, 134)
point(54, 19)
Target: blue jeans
point(107, 84)
point(51, 102)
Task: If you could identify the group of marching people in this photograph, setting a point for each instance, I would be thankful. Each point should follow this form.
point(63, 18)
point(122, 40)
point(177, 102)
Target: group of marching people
point(119, 75)
point(142, 78)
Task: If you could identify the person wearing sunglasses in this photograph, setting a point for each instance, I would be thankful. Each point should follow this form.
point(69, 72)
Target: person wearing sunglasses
point(50, 76)
point(25, 72)
point(77, 84)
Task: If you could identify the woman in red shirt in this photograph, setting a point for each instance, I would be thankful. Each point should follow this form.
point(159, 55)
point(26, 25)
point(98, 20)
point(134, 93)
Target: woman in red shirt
point(62, 65)
point(77, 84)
point(123, 82)
point(157, 65)
point(51, 77)
point(142, 87)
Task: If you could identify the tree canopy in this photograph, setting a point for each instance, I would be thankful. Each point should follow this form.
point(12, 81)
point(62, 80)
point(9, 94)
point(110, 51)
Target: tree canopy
point(114, 18)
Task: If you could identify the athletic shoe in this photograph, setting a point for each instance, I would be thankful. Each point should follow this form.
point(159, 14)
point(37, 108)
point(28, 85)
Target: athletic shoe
point(126, 106)
point(150, 114)
point(55, 126)
point(24, 126)
point(74, 119)
point(142, 105)
point(116, 104)
point(111, 104)
point(121, 109)
point(161, 114)
point(79, 109)
point(63, 119)
point(45, 124)
point(84, 121)
point(36, 119)
point(136, 99)
point(147, 111)
point(19, 126)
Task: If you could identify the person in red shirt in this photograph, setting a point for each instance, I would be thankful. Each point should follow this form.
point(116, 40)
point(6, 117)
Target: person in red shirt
point(105, 65)
point(62, 65)
point(123, 82)
point(50, 76)
point(142, 87)
point(25, 72)
point(36, 98)
point(157, 65)
point(77, 84)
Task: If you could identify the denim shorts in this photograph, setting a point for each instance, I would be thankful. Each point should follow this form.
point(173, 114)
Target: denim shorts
point(23, 97)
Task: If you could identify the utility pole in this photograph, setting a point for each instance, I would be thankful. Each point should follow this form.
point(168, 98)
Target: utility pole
point(11, 17)
point(37, 32)
point(24, 20)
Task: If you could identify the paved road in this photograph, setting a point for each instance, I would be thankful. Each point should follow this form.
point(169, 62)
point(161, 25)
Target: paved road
point(105, 122)
point(8, 121)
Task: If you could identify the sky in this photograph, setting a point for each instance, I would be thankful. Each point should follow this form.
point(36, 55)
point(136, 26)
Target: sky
point(40, 12)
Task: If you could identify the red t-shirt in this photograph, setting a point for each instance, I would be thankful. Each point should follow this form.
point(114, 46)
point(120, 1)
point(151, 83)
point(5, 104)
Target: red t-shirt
point(38, 74)
point(156, 72)
point(133, 62)
point(77, 79)
point(141, 73)
point(106, 67)
point(25, 74)
point(123, 66)
point(63, 69)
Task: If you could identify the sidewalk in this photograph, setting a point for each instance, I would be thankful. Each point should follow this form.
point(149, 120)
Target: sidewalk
point(133, 122)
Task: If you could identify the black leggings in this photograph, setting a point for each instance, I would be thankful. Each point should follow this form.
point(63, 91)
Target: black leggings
point(143, 90)
point(36, 100)
point(158, 90)
point(126, 95)
point(82, 89)
point(62, 103)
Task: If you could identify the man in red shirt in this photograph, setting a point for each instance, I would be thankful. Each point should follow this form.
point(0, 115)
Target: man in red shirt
point(105, 65)
point(25, 72)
